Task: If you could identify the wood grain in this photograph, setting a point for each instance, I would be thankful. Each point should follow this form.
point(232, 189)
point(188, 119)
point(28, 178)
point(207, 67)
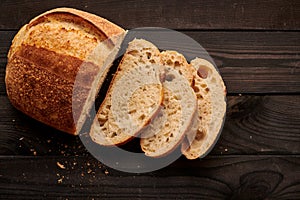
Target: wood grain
point(191, 14)
point(254, 125)
point(261, 124)
point(229, 177)
point(256, 46)
point(250, 62)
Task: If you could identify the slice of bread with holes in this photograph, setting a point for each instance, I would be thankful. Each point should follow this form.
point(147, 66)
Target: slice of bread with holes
point(211, 94)
point(179, 108)
point(133, 98)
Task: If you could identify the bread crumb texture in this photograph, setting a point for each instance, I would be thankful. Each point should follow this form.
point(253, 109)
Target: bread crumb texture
point(133, 98)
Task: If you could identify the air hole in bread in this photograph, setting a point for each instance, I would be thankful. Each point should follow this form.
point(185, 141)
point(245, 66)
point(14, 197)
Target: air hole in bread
point(199, 96)
point(200, 135)
point(196, 89)
point(170, 77)
point(132, 111)
point(133, 52)
point(203, 85)
point(114, 134)
point(148, 55)
point(177, 64)
point(142, 117)
point(102, 121)
point(169, 62)
point(203, 71)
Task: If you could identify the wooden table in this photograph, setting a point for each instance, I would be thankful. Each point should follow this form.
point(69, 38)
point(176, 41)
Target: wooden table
point(256, 45)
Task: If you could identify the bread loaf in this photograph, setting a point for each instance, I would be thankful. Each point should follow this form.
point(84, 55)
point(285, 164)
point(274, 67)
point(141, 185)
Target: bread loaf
point(44, 61)
point(179, 108)
point(133, 98)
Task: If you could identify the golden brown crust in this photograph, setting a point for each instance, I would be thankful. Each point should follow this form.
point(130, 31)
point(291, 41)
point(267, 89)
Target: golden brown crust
point(26, 84)
point(65, 67)
point(40, 81)
point(101, 26)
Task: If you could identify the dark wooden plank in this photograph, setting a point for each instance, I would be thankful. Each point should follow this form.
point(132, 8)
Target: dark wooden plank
point(261, 124)
point(249, 177)
point(6, 38)
point(254, 125)
point(191, 14)
point(250, 62)
point(2, 79)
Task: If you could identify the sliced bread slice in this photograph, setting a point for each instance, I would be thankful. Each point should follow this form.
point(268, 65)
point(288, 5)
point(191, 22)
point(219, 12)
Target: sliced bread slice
point(179, 108)
point(211, 94)
point(133, 98)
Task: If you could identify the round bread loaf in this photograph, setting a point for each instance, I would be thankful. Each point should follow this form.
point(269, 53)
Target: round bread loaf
point(52, 53)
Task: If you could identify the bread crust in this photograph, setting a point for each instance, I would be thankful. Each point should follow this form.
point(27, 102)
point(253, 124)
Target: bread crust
point(40, 80)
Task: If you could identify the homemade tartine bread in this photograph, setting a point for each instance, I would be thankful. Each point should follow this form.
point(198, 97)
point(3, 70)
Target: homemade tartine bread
point(179, 108)
point(134, 96)
point(59, 60)
point(211, 94)
point(55, 52)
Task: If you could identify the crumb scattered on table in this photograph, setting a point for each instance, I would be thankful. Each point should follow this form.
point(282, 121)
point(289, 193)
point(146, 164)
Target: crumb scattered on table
point(60, 165)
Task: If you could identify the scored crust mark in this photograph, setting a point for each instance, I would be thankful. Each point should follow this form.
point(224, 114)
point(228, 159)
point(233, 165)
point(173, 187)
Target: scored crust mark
point(75, 22)
point(133, 98)
point(178, 112)
point(56, 46)
point(209, 88)
point(66, 37)
point(91, 22)
point(62, 65)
